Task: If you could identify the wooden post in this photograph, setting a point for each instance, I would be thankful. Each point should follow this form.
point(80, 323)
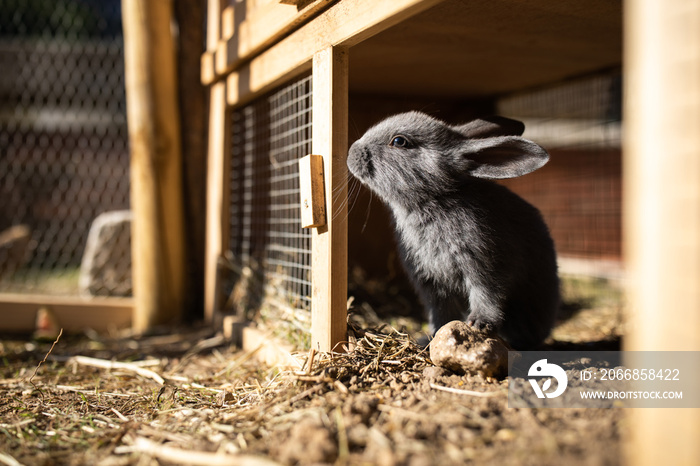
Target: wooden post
point(330, 243)
point(156, 163)
point(217, 173)
point(662, 207)
point(190, 15)
point(217, 197)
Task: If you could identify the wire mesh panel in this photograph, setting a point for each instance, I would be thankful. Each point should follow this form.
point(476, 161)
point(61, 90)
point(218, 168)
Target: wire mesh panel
point(579, 190)
point(270, 252)
point(63, 139)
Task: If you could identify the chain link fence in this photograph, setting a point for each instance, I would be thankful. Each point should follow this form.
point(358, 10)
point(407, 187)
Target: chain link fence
point(63, 142)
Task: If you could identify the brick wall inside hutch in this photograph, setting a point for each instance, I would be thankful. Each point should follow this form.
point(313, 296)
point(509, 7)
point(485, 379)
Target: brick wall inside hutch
point(579, 194)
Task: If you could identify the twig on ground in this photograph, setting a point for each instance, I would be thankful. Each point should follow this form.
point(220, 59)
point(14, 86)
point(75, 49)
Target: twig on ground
point(120, 415)
point(8, 460)
point(401, 412)
point(181, 456)
point(36, 369)
point(105, 364)
point(460, 391)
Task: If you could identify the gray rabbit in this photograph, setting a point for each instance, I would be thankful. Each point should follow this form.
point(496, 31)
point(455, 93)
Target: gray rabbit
point(473, 249)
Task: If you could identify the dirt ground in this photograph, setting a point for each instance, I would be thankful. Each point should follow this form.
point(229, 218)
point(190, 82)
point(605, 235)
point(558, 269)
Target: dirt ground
point(189, 397)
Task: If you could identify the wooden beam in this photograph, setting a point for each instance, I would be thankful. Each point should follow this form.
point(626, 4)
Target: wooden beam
point(192, 99)
point(662, 207)
point(228, 29)
point(208, 62)
point(214, 8)
point(156, 163)
point(228, 23)
point(346, 23)
point(74, 314)
point(330, 242)
point(208, 71)
point(217, 197)
point(264, 346)
point(260, 27)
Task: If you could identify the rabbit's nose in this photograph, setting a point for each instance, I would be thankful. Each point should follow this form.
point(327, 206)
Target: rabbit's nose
point(360, 162)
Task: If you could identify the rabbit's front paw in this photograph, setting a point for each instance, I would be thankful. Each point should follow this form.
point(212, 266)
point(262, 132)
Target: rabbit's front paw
point(481, 322)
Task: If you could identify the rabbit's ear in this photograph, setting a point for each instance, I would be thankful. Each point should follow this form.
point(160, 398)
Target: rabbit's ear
point(502, 157)
point(489, 127)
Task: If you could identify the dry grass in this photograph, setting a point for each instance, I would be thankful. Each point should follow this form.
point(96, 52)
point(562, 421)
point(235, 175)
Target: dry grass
point(190, 398)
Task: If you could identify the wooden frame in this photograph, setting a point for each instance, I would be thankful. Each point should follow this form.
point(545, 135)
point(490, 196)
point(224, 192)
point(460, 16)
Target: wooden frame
point(262, 25)
point(18, 312)
point(217, 159)
point(343, 25)
point(248, 70)
point(330, 242)
point(217, 197)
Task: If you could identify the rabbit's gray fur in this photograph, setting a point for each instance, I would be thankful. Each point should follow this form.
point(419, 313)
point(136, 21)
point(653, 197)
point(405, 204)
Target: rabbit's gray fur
point(473, 249)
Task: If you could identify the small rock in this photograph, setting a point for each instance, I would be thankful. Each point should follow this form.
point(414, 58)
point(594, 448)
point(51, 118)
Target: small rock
point(464, 350)
point(106, 265)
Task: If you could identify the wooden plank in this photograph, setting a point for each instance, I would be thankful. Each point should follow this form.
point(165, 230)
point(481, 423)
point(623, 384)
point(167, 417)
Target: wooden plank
point(330, 242)
point(214, 8)
point(208, 62)
point(228, 29)
point(490, 47)
point(258, 26)
point(208, 71)
point(346, 23)
point(217, 173)
point(661, 205)
point(311, 191)
point(228, 23)
point(193, 120)
point(217, 197)
point(74, 314)
point(263, 346)
point(156, 163)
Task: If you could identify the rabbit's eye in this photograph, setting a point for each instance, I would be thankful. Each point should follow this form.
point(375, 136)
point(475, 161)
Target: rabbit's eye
point(400, 141)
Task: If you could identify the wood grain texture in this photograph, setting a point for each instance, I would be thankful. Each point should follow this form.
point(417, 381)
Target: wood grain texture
point(479, 48)
point(156, 163)
point(74, 314)
point(312, 192)
point(208, 71)
point(489, 47)
point(662, 208)
point(218, 164)
point(330, 243)
point(192, 98)
point(258, 25)
point(214, 8)
point(346, 23)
